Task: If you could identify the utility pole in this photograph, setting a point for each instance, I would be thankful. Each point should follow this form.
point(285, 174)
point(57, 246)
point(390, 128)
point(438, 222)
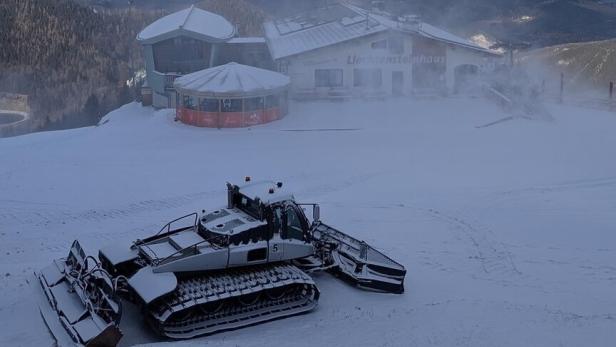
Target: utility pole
point(611, 101)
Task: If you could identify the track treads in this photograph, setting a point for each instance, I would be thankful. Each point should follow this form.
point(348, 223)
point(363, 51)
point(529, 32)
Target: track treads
point(236, 298)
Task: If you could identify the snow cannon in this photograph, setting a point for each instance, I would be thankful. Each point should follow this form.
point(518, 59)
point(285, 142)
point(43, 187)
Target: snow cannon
point(245, 263)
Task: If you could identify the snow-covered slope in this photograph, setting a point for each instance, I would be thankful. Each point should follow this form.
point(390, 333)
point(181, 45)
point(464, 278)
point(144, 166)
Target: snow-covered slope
point(507, 231)
point(584, 65)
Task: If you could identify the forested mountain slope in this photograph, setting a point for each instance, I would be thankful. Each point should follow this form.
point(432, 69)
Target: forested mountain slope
point(74, 60)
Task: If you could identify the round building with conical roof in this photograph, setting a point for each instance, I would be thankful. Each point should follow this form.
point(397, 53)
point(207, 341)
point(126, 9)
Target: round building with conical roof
point(231, 96)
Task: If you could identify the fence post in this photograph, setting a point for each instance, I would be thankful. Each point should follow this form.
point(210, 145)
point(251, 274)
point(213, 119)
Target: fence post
point(562, 87)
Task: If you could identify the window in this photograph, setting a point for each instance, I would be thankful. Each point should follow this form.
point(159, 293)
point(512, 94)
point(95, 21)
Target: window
point(396, 45)
point(189, 102)
point(254, 104)
point(382, 44)
point(272, 101)
point(328, 77)
point(371, 78)
point(208, 105)
point(181, 55)
point(231, 105)
point(282, 66)
point(294, 225)
point(277, 220)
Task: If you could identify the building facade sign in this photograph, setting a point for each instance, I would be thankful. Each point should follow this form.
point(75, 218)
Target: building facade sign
point(396, 60)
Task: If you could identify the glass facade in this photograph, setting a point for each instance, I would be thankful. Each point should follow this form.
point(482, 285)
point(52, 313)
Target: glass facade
point(231, 112)
point(181, 55)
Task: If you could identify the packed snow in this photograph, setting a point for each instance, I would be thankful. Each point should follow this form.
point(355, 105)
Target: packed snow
point(507, 231)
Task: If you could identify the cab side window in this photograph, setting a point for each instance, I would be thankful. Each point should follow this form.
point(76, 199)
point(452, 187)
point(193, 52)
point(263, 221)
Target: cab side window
point(277, 221)
point(293, 225)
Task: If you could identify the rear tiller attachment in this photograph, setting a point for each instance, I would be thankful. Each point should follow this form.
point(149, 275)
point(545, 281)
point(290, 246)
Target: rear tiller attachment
point(82, 300)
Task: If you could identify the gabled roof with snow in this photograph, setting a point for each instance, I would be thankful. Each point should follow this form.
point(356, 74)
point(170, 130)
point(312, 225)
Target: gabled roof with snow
point(232, 80)
point(343, 22)
point(193, 22)
point(317, 29)
point(423, 29)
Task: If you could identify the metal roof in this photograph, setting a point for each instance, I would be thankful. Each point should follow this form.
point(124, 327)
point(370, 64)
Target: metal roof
point(343, 22)
point(417, 27)
point(300, 34)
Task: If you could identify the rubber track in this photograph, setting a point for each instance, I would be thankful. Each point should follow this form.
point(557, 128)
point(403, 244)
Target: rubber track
point(233, 284)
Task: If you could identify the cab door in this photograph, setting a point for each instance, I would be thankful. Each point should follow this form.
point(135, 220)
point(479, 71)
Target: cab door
point(276, 243)
point(295, 234)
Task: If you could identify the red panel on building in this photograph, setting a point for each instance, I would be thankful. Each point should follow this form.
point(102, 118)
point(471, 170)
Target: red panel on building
point(227, 119)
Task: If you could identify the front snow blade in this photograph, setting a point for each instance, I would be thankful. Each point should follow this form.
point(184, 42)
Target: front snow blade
point(360, 263)
point(80, 301)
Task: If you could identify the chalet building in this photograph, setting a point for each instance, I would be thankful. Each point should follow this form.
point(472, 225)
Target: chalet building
point(344, 51)
point(336, 52)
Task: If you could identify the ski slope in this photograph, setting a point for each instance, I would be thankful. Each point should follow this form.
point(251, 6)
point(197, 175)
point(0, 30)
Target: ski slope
point(507, 231)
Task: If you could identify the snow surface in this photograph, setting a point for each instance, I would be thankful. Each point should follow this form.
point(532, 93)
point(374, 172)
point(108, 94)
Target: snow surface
point(192, 19)
point(232, 79)
point(507, 231)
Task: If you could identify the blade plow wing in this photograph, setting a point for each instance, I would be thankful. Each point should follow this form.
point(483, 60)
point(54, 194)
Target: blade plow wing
point(360, 263)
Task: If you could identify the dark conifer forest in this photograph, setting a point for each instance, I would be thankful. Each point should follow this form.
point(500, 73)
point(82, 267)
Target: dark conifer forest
point(74, 60)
